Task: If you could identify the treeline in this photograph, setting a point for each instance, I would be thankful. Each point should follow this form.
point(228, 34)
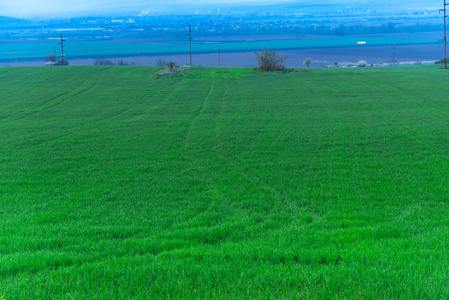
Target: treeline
point(101, 61)
point(327, 30)
point(206, 29)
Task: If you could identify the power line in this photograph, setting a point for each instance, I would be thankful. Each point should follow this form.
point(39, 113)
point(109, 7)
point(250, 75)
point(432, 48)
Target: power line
point(394, 56)
point(445, 35)
point(190, 42)
point(62, 47)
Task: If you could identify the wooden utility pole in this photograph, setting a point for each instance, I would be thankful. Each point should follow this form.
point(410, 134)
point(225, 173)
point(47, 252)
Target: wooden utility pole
point(190, 42)
point(445, 35)
point(62, 47)
point(394, 56)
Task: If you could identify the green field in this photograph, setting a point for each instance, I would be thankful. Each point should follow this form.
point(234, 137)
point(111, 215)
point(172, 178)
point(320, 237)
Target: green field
point(225, 183)
point(39, 50)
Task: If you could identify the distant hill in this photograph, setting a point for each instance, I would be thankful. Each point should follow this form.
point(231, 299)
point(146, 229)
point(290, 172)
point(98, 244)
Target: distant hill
point(269, 6)
point(12, 21)
point(203, 6)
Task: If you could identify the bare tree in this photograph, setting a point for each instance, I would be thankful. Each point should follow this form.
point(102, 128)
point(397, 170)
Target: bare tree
point(122, 63)
point(100, 61)
point(50, 58)
point(160, 62)
point(269, 60)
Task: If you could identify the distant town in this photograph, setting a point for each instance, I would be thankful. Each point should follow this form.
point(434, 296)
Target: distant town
point(313, 19)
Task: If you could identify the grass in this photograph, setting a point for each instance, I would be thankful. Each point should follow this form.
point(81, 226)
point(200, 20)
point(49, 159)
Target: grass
point(224, 183)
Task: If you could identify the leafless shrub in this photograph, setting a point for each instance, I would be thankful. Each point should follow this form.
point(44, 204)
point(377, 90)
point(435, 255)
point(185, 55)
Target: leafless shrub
point(62, 62)
point(100, 61)
point(160, 62)
point(268, 60)
point(50, 58)
point(122, 63)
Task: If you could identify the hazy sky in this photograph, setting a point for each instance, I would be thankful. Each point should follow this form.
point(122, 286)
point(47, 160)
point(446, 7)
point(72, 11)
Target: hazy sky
point(50, 8)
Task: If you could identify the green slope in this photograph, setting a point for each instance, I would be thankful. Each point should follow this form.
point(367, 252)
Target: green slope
point(223, 184)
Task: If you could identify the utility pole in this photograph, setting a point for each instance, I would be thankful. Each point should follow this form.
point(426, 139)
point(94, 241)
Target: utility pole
point(54, 52)
point(219, 57)
point(394, 56)
point(190, 42)
point(62, 47)
point(445, 36)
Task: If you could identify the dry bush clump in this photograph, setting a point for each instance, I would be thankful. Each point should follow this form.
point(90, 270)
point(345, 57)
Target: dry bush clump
point(269, 61)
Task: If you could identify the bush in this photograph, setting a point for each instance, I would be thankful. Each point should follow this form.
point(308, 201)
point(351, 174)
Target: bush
point(441, 61)
point(50, 58)
point(62, 62)
point(307, 62)
point(270, 61)
point(362, 63)
point(100, 61)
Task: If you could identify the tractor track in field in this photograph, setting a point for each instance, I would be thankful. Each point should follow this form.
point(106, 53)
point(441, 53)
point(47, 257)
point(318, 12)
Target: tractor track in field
point(62, 95)
point(71, 130)
point(412, 99)
point(187, 223)
point(56, 104)
point(406, 96)
point(256, 181)
point(407, 100)
point(167, 100)
point(18, 92)
point(200, 110)
point(23, 79)
point(13, 94)
point(32, 113)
